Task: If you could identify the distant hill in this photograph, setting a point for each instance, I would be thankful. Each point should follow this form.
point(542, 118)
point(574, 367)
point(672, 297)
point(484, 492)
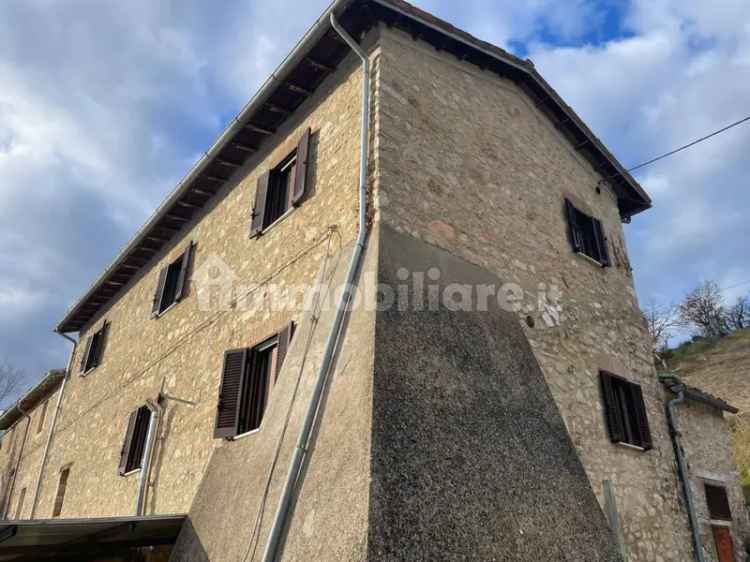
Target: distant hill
point(722, 367)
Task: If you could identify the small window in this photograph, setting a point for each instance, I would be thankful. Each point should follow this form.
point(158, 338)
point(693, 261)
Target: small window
point(42, 416)
point(19, 507)
point(718, 503)
point(248, 376)
point(62, 485)
point(94, 351)
point(281, 188)
point(625, 410)
point(587, 235)
point(134, 445)
point(172, 283)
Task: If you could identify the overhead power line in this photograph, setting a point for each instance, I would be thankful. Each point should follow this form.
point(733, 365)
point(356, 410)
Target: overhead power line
point(675, 151)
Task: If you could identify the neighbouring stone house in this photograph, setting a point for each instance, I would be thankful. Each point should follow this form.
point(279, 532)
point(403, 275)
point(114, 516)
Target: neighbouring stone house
point(490, 395)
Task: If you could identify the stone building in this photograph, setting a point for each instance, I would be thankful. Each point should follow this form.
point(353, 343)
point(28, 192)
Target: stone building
point(488, 393)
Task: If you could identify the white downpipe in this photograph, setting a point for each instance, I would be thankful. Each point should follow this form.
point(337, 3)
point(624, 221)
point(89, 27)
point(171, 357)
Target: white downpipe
point(275, 538)
point(148, 453)
point(50, 436)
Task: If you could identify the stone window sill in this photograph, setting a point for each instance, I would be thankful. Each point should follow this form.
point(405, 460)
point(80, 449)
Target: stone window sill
point(631, 447)
point(283, 217)
point(243, 435)
point(590, 260)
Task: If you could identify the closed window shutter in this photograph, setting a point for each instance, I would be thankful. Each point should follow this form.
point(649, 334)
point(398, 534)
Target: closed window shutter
point(230, 393)
point(285, 337)
point(612, 411)
point(181, 280)
point(259, 210)
point(300, 174)
point(601, 243)
point(126, 446)
point(86, 352)
point(576, 236)
point(156, 308)
point(640, 413)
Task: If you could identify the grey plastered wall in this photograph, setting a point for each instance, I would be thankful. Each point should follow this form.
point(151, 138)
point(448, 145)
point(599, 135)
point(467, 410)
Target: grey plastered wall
point(471, 459)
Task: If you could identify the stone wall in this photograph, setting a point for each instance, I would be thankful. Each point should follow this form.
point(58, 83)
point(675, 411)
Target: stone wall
point(706, 441)
point(467, 163)
point(181, 352)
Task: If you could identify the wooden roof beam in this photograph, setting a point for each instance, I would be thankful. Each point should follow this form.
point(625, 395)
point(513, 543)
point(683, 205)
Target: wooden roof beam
point(257, 129)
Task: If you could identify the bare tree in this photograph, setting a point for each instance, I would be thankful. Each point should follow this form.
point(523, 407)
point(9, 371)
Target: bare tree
point(662, 321)
point(738, 315)
point(10, 378)
point(703, 309)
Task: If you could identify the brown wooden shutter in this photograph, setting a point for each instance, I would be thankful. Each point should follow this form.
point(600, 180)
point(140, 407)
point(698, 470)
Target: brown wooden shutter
point(611, 409)
point(300, 174)
point(182, 278)
point(576, 236)
point(285, 337)
point(155, 309)
point(230, 393)
point(125, 452)
point(601, 243)
point(642, 419)
point(87, 350)
point(259, 210)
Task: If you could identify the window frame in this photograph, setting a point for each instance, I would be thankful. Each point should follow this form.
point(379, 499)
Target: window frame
point(714, 517)
point(62, 488)
point(133, 452)
point(625, 412)
point(94, 350)
point(587, 235)
point(174, 276)
point(42, 416)
point(294, 167)
point(252, 398)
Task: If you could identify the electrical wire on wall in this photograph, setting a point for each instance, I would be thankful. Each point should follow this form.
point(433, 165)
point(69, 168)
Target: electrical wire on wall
point(315, 316)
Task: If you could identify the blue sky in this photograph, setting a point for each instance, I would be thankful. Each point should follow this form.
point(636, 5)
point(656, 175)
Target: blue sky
point(105, 105)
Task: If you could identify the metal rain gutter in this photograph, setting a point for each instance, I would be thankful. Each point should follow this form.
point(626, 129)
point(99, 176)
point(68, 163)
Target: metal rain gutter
point(314, 33)
point(50, 436)
point(275, 539)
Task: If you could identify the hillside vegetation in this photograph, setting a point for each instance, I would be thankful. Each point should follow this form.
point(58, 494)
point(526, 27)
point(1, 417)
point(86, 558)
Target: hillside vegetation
point(721, 366)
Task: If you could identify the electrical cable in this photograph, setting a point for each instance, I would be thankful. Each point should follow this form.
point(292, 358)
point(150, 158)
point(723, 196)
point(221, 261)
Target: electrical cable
point(697, 141)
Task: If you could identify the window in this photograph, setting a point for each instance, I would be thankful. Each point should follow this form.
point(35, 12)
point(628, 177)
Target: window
point(131, 455)
point(42, 415)
point(19, 507)
point(247, 378)
point(718, 503)
point(281, 188)
point(587, 235)
point(94, 351)
point(172, 283)
point(625, 411)
point(62, 485)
